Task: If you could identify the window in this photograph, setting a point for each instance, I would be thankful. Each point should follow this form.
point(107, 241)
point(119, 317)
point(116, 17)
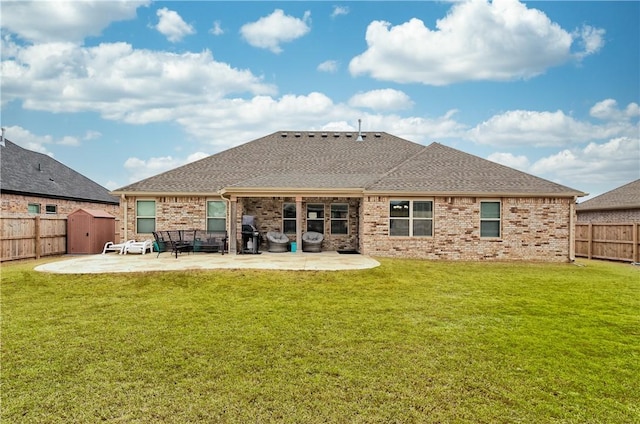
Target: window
point(339, 218)
point(51, 209)
point(411, 218)
point(289, 218)
point(145, 216)
point(33, 208)
point(489, 219)
point(315, 217)
point(216, 216)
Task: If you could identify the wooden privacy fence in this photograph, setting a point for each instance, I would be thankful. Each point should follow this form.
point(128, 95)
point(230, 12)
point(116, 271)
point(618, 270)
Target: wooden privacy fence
point(32, 237)
point(619, 242)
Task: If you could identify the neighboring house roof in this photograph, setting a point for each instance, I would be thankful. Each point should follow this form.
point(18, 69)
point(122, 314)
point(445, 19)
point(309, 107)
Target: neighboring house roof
point(30, 173)
point(316, 161)
point(624, 197)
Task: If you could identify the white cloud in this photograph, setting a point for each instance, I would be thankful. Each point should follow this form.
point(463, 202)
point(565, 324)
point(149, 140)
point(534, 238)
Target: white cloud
point(533, 128)
point(37, 143)
point(64, 21)
point(330, 66)
point(172, 26)
point(479, 40)
point(385, 99)
point(518, 162)
point(141, 168)
point(216, 29)
point(270, 31)
point(614, 162)
point(591, 40)
point(608, 110)
point(119, 82)
point(339, 11)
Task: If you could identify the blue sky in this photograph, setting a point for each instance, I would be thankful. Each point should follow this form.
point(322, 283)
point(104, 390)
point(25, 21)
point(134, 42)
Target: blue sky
point(120, 91)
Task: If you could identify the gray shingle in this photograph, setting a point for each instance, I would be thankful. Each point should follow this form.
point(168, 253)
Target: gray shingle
point(27, 172)
point(380, 163)
point(623, 197)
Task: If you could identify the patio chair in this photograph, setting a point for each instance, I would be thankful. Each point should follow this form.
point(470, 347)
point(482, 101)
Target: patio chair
point(312, 242)
point(116, 247)
point(139, 247)
point(278, 242)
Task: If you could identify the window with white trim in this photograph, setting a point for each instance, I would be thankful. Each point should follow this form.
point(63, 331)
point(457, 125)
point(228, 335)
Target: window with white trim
point(216, 216)
point(51, 209)
point(289, 218)
point(411, 218)
point(33, 208)
point(339, 218)
point(489, 219)
point(315, 217)
point(145, 216)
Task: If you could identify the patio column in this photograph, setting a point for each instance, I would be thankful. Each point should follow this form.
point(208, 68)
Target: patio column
point(233, 226)
point(299, 223)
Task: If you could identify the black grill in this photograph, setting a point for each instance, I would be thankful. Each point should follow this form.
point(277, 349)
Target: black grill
point(250, 235)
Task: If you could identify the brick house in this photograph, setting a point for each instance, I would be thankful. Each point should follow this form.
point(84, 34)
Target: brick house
point(33, 183)
point(618, 205)
point(373, 192)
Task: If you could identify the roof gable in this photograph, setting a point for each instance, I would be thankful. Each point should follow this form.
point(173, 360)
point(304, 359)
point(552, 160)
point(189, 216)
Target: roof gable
point(302, 161)
point(31, 173)
point(623, 197)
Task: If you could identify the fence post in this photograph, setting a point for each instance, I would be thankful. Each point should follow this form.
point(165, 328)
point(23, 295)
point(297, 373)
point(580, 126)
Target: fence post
point(636, 257)
point(37, 237)
point(590, 241)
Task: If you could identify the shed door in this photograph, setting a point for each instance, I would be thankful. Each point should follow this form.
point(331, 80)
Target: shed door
point(79, 227)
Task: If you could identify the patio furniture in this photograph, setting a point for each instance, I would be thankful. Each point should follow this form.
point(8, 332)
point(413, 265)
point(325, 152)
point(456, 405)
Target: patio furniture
point(138, 247)
point(312, 241)
point(278, 242)
point(179, 241)
point(116, 247)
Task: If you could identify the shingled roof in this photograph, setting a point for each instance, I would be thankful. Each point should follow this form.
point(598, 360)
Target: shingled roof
point(31, 173)
point(623, 197)
point(381, 163)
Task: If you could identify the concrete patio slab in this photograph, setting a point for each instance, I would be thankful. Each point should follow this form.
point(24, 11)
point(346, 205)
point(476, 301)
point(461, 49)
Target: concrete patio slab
point(113, 262)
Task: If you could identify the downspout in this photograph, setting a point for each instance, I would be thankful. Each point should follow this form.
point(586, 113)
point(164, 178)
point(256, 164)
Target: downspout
point(123, 198)
point(572, 230)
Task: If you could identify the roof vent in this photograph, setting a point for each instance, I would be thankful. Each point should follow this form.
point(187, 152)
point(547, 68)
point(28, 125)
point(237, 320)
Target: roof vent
point(359, 130)
point(284, 134)
point(336, 134)
point(297, 134)
point(349, 135)
point(378, 135)
point(324, 134)
point(312, 134)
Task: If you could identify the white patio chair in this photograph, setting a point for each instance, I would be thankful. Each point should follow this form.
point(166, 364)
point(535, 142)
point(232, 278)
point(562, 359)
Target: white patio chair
point(116, 247)
point(139, 247)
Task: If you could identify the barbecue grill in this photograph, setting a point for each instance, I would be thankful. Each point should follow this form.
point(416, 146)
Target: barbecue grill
point(250, 235)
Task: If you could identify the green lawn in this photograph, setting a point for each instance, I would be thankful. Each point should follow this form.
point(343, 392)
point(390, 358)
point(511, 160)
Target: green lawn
point(410, 341)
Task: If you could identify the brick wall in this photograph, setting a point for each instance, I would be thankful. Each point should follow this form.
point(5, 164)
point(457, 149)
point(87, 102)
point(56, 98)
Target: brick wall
point(172, 213)
point(268, 213)
point(14, 204)
point(534, 229)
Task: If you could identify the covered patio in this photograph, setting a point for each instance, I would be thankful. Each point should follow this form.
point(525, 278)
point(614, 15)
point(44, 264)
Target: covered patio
point(115, 263)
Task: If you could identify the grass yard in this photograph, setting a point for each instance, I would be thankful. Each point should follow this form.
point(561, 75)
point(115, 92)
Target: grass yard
point(407, 342)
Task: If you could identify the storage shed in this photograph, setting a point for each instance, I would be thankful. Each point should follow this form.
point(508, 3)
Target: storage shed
point(88, 230)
